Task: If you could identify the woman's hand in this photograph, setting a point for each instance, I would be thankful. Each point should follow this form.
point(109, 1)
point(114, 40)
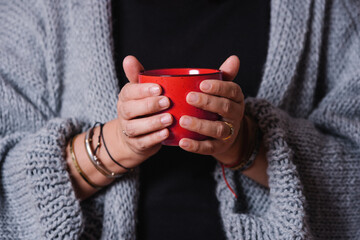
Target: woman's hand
point(131, 138)
point(226, 99)
point(140, 132)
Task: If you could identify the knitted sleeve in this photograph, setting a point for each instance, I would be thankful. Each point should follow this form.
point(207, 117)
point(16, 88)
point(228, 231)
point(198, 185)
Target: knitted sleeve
point(314, 163)
point(36, 196)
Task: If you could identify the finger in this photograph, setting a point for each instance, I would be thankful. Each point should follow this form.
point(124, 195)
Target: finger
point(207, 147)
point(136, 108)
point(141, 126)
point(138, 91)
point(145, 142)
point(132, 68)
point(222, 106)
point(230, 68)
point(220, 88)
point(214, 129)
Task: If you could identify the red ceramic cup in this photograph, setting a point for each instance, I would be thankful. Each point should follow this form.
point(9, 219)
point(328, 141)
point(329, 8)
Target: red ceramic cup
point(176, 83)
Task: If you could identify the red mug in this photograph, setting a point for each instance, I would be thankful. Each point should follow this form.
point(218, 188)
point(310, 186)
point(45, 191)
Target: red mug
point(176, 83)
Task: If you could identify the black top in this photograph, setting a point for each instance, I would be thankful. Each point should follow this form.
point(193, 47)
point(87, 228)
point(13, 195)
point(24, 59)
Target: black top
point(177, 188)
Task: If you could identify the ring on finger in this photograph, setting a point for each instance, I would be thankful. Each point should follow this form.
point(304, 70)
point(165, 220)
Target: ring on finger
point(231, 131)
point(124, 132)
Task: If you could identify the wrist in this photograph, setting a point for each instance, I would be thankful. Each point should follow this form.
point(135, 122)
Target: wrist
point(250, 143)
point(232, 155)
point(85, 178)
point(112, 151)
point(89, 164)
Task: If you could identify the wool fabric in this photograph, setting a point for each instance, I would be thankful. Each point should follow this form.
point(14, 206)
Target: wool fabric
point(57, 77)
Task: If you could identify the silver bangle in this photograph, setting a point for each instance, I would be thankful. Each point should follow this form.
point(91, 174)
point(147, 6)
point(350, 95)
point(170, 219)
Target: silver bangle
point(95, 160)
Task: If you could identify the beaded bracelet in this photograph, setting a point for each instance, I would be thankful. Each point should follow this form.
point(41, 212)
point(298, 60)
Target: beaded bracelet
point(94, 159)
point(78, 168)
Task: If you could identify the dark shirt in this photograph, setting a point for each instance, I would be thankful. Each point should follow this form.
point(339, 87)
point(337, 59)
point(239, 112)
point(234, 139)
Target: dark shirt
point(177, 188)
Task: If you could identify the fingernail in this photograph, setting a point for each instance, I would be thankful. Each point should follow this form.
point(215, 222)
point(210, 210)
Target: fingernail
point(164, 102)
point(184, 144)
point(155, 90)
point(205, 86)
point(192, 97)
point(185, 121)
point(166, 119)
point(163, 133)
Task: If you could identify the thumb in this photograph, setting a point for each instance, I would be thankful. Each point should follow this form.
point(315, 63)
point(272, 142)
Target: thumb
point(230, 68)
point(132, 68)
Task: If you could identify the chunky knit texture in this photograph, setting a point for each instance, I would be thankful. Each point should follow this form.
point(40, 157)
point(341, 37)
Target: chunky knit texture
point(57, 77)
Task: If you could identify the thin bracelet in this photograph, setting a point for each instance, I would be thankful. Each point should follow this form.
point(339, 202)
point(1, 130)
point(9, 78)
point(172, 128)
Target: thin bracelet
point(242, 160)
point(248, 159)
point(98, 142)
point(251, 159)
point(77, 166)
point(107, 150)
point(95, 160)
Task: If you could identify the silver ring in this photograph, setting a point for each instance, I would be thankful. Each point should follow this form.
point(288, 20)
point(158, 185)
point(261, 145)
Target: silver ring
point(231, 131)
point(125, 133)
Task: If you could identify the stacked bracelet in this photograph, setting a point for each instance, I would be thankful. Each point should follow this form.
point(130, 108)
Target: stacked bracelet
point(94, 159)
point(250, 159)
point(78, 168)
point(252, 151)
point(108, 152)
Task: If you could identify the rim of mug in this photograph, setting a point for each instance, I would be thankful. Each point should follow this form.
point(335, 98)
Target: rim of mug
point(148, 72)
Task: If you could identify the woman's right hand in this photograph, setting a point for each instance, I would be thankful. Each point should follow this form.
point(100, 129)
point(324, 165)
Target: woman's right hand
point(140, 130)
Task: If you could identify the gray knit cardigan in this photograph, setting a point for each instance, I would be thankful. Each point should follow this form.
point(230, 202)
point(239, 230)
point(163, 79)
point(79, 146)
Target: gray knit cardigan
point(57, 77)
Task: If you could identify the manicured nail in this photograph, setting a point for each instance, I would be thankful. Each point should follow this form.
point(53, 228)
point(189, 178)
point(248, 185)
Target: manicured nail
point(205, 86)
point(155, 90)
point(166, 119)
point(164, 102)
point(184, 143)
point(163, 133)
point(192, 97)
point(185, 121)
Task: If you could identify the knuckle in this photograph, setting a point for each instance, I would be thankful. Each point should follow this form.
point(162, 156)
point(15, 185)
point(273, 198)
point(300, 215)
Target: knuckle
point(119, 103)
point(130, 130)
point(141, 146)
point(200, 127)
point(196, 147)
point(125, 111)
point(235, 92)
point(220, 130)
point(149, 105)
point(226, 106)
point(217, 88)
point(132, 145)
point(206, 101)
point(210, 149)
point(123, 95)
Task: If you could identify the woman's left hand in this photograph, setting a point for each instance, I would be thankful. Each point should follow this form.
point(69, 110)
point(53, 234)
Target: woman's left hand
point(226, 99)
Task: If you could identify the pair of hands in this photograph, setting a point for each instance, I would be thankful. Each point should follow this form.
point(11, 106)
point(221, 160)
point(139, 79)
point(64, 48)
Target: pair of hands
point(145, 133)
